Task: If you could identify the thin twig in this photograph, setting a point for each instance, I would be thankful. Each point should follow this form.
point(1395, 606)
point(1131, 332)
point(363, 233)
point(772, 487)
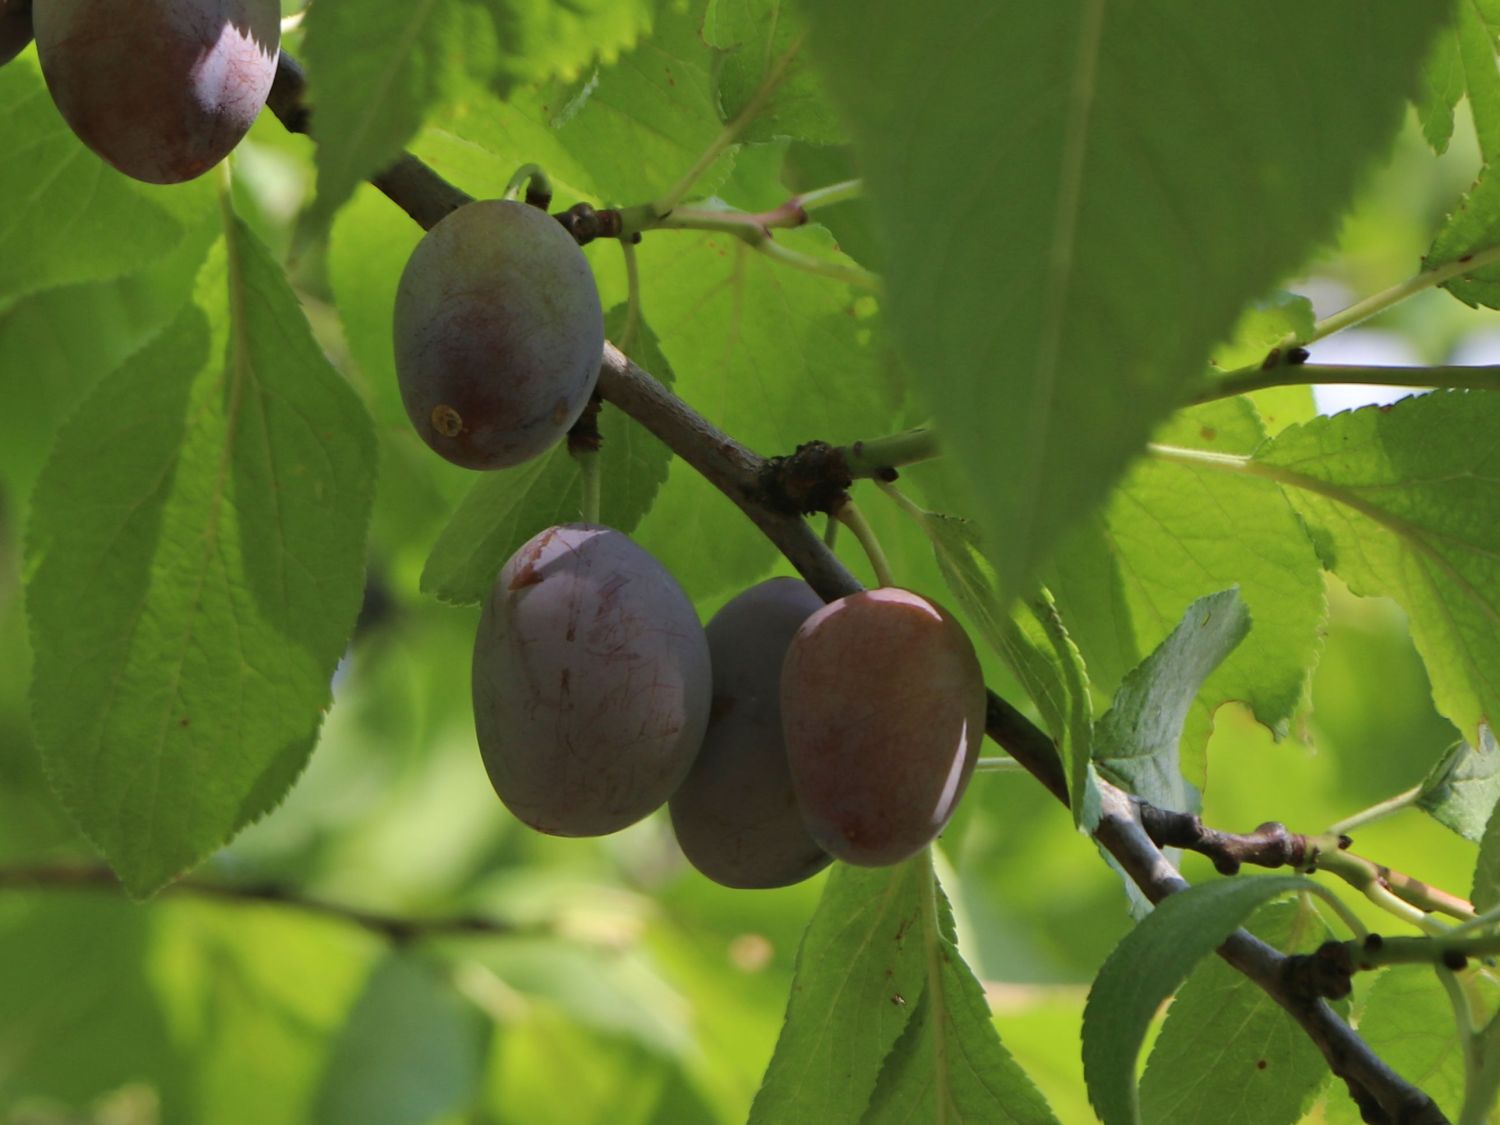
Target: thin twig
point(395, 927)
point(1446, 377)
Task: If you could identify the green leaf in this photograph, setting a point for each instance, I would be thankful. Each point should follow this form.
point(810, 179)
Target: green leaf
point(376, 70)
point(607, 1077)
point(624, 133)
point(506, 508)
point(1033, 643)
point(1462, 60)
point(229, 976)
point(68, 216)
point(1227, 1052)
point(1175, 531)
point(860, 973)
point(1064, 208)
point(1461, 789)
point(1405, 1018)
point(1486, 891)
point(56, 344)
point(1148, 965)
point(772, 355)
point(196, 560)
point(79, 1013)
point(1262, 324)
point(1473, 227)
point(764, 60)
point(1442, 86)
point(410, 1053)
point(1136, 742)
point(1404, 504)
point(949, 1064)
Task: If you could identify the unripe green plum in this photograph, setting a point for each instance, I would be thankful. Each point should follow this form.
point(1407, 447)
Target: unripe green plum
point(883, 705)
point(591, 682)
point(736, 817)
point(162, 89)
point(15, 28)
point(499, 334)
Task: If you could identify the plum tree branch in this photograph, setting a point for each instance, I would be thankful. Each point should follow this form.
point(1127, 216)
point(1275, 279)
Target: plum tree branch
point(740, 474)
point(1272, 845)
point(396, 928)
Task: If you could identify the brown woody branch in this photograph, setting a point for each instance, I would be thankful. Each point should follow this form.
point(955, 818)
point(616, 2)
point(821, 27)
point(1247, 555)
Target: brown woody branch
point(398, 929)
point(1272, 845)
point(1382, 1095)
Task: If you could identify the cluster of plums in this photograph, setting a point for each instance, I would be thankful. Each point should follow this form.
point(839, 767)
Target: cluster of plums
point(161, 89)
point(785, 734)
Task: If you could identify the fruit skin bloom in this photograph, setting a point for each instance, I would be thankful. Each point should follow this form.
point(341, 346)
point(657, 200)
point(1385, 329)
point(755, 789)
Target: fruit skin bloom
point(161, 89)
point(498, 334)
point(883, 704)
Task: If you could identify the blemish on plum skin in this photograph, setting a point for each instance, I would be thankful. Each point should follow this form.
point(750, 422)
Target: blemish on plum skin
point(528, 575)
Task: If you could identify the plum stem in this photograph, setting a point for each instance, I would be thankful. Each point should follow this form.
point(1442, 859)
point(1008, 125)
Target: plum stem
point(538, 186)
point(850, 516)
point(588, 465)
point(632, 296)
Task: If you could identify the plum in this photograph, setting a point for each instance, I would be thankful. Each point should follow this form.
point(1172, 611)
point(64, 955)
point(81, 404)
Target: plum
point(499, 334)
point(591, 682)
point(162, 89)
point(883, 705)
point(736, 817)
point(15, 28)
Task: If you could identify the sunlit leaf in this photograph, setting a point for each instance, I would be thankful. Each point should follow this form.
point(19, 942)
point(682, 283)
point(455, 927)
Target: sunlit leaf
point(196, 558)
point(1405, 503)
point(1148, 966)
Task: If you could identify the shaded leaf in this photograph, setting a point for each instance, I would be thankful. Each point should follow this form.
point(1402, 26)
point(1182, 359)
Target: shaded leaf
point(410, 1053)
point(1030, 166)
point(1461, 790)
point(77, 1008)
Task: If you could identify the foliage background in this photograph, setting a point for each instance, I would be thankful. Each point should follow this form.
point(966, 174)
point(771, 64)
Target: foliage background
point(634, 990)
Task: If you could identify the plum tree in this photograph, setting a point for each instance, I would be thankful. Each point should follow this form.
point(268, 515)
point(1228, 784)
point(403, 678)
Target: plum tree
point(15, 28)
point(162, 89)
point(736, 816)
point(498, 333)
point(591, 682)
point(883, 705)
